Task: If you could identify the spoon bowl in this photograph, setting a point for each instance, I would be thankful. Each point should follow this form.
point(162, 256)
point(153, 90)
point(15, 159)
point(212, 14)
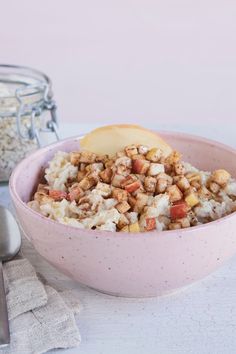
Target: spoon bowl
point(10, 239)
point(10, 242)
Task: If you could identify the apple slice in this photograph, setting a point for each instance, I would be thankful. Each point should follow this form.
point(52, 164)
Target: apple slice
point(113, 138)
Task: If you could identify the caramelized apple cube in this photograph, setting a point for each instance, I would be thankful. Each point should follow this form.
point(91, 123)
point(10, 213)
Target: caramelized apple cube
point(120, 194)
point(150, 224)
point(75, 192)
point(75, 158)
point(140, 202)
point(57, 195)
point(125, 228)
point(87, 157)
point(140, 166)
point(117, 180)
point(106, 175)
point(131, 150)
point(123, 221)
point(178, 210)
point(127, 180)
point(192, 199)
point(154, 155)
point(174, 193)
point(221, 177)
point(132, 187)
point(134, 227)
point(123, 207)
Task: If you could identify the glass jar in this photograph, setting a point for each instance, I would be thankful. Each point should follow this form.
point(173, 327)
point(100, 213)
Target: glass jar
point(27, 114)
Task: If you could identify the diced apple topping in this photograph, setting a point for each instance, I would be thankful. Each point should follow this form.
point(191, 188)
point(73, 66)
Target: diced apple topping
point(131, 150)
point(57, 195)
point(174, 193)
point(75, 192)
point(106, 175)
point(192, 199)
point(126, 178)
point(154, 155)
point(125, 228)
point(134, 227)
point(150, 224)
point(132, 187)
point(178, 210)
point(221, 177)
point(123, 207)
point(120, 194)
point(140, 166)
point(155, 169)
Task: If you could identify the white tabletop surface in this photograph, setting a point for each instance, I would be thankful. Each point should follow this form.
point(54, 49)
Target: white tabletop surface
point(199, 320)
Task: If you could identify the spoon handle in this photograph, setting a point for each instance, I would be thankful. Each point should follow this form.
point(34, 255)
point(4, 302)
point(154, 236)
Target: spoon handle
point(4, 325)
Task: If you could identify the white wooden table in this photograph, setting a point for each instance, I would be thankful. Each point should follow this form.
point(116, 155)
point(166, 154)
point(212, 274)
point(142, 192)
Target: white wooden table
point(198, 320)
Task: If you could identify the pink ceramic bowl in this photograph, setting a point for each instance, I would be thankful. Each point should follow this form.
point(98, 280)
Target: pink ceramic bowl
point(135, 265)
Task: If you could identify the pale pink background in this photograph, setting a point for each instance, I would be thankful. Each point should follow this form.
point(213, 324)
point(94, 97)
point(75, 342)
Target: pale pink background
point(129, 60)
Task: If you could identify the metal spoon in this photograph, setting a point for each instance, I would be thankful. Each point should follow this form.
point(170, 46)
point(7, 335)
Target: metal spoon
point(10, 241)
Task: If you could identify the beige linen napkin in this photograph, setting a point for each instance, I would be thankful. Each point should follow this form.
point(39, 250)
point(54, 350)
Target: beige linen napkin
point(41, 319)
point(23, 289)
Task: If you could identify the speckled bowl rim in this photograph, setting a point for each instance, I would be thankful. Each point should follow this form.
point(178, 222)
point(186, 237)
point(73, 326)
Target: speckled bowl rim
point(94, 233)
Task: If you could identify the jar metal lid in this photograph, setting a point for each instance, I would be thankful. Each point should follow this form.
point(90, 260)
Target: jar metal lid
point(22, 85)
point(25, 91)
